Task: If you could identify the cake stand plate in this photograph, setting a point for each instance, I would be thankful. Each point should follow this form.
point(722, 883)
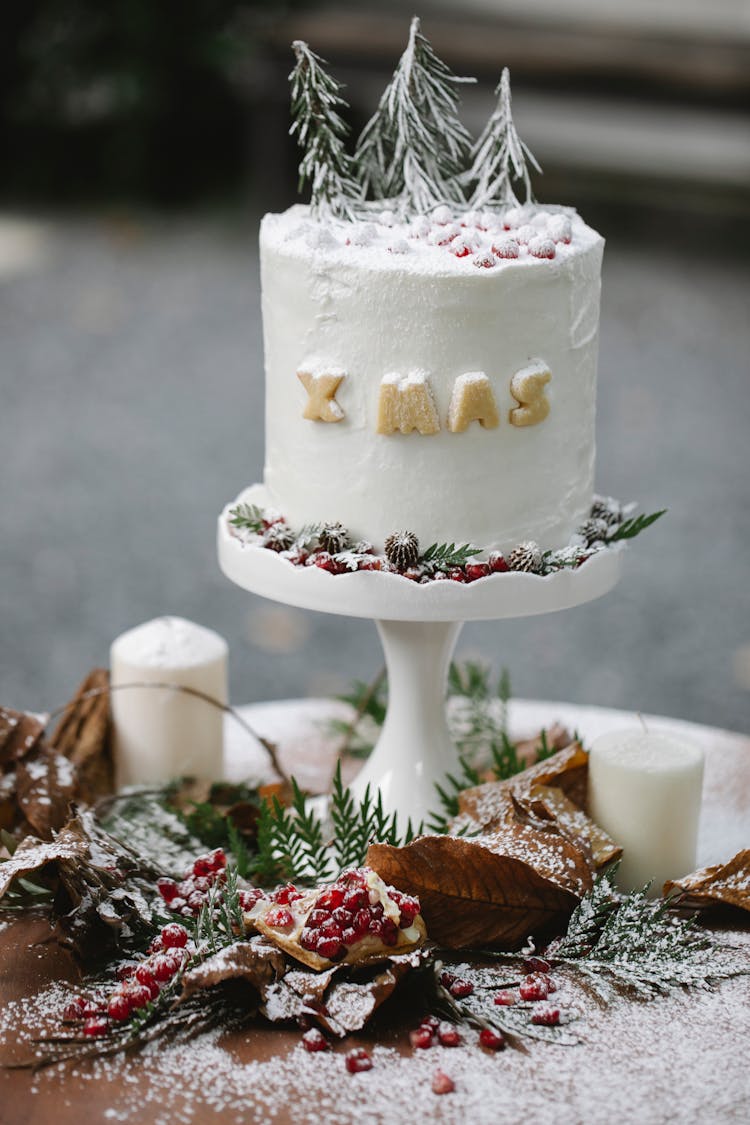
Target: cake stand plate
point(418, 626)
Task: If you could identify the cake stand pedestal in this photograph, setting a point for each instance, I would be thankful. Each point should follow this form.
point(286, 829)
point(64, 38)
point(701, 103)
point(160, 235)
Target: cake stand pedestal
point(418, 626)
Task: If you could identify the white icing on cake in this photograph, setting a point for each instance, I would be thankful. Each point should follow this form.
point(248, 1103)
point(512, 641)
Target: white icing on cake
point(344, 294)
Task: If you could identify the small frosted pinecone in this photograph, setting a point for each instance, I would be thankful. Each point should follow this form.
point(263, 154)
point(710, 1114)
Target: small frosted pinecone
point(334, 538)
point(607, 509)
point(527, 557)
point(278, 537)
point(594, 530)
point(402, 549)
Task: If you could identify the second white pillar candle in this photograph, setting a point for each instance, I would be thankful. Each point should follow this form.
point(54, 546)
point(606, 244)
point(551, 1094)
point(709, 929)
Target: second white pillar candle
point(645, 792)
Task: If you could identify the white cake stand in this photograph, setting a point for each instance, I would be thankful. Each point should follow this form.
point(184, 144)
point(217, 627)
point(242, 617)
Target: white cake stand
point(418, 626)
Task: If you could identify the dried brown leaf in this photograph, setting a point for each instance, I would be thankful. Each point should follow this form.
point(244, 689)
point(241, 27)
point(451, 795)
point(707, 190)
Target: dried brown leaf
point(33, 855)
point(573, 823)
point(83, 735)
point(723, 884)
point(19, 735)
point(46, 783)
point(493, 890)
point(255, 961)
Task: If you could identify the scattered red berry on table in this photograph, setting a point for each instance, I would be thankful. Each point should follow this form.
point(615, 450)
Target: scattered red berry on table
point(546, 1017)
point(119, 1007)
point(536, 965)
point(461, 988)
point(95, 1026)
point(442, 1083)
point(421, 1038)
point(448, 1035)
point(504, 999)
point(76, 1009)
point(174, 936)
point(534, 988)
point(314, 1040)
point(491, 1039)
point(357, 1060)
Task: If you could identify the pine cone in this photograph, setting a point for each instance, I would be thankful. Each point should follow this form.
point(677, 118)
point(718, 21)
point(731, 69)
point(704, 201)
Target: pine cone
point(402, 549)
point(278, 537)
point(607, 509)
point(334, 538)
point(594, 530)
point(526, 557)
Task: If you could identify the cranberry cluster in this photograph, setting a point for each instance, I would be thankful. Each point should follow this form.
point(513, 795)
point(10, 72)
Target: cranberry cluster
point(190, 895)
point(345, 913)
point(433, 1032)
point(139, 983)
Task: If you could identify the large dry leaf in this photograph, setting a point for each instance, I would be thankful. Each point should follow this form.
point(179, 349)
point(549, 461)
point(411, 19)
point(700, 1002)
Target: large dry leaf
point(83, 735)
point(35, 855)
point(254, 961)
point(492, 890)
point(19, 734)
point(572, 822)
point(723, 884)
point(46, 784)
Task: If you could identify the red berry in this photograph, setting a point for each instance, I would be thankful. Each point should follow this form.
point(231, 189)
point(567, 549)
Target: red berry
point(492, 1040)
point(447, 979)
point(343, 916)
point(358, 1059)
point(546, 1017)
point(534, 988)
point(285, 895)
point(370, 564)
point(126, 970)
point(361, 924)
point(323, 560)
point(505, 999)
point(457, 574)
point(279, 918)
point(248, 899)
point(316, 918)
point(506, 247)
point(168, 889)
point(174, 936)
point(119, 1006)
point(477, 570)
point(163, 968)
point(484, 261)
point(144, 973)
point(76, 1009)
point(542, 248)
point(331, 948)
point(430, 1021)
point(95, 1026)
point(139, 995)
point(442, 1084)
point(448, 1035)
point(421, 1038)
point(461, 988)
point(202, 865)
point(536, 965)
point(314, 1040)
point(330, 898)
point(497, 563)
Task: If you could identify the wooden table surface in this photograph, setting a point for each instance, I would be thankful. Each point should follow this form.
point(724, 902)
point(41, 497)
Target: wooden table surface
point(679, 1059)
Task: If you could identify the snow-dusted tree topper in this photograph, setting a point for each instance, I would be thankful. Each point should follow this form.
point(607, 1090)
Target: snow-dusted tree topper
point(415, 148)
point(321, 132)
point(499, 156)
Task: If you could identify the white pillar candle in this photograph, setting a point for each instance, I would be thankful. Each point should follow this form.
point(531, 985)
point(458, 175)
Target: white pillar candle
point(645, 792)
point(162, 733)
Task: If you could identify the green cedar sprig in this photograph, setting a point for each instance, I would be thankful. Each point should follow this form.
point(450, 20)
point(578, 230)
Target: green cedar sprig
point(444, 556)
point(247, 517)
point(634, 526)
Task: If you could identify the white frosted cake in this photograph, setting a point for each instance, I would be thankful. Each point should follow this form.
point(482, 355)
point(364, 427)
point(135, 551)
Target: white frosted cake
point(436, 374)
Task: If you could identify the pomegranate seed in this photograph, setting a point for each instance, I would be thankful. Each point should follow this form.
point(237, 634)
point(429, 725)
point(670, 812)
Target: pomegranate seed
point(447, 979)
point(492, 1040)
point(279, 918)
point(163, 968)
point(119, 1007)
point(477, 570)
point(168, 889)
point(174, 936)
point(309, 938)
point(357, 1060)
point(390, 932)
point(546, 1017)
point(536, 965)
point(376, 908)
point(533, 988)
point(316, 918)
point(331, 948)
point(505, 999)
point(430, 1021)
point(421, 1038)
point(461, 988)
point(343, 916)
point(330, 899)
point(95, 1026)
point(314, 1040)
point(361, 922)
point(331, 929)
point(284, 895)
point(442, 1083)
point(497, 563)
point(92, 1008)
point(448, 1035)
point(409, 908)
point(76, 1009)
point(355, 899)
point(376, 927)
point(349, 936)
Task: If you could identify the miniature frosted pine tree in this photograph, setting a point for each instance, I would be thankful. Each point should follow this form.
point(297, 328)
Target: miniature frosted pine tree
point(320, 132)
point(414, 148)
point(499, 155)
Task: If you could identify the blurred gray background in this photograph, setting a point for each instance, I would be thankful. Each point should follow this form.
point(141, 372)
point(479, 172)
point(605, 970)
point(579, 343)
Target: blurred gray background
point(131, 375)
